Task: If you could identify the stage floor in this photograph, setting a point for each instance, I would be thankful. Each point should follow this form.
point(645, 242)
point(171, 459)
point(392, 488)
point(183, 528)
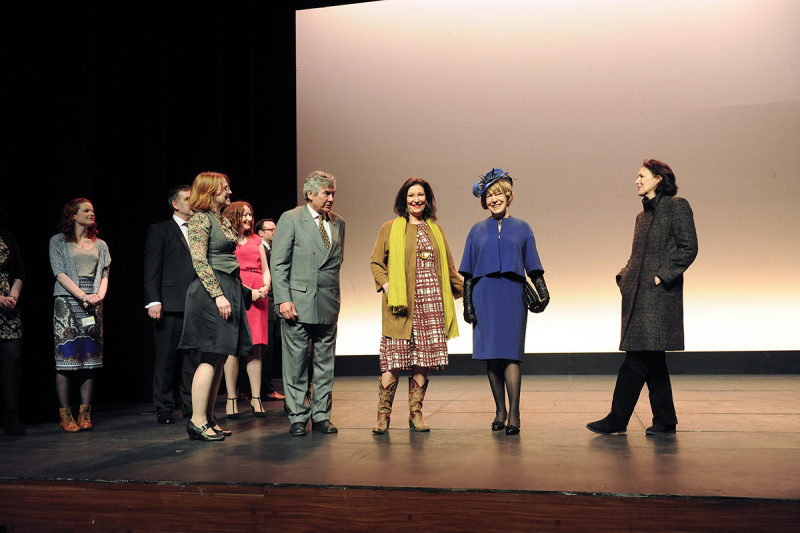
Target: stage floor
point(738, 436)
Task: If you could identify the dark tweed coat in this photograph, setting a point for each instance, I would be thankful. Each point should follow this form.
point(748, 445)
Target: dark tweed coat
point(664, 245)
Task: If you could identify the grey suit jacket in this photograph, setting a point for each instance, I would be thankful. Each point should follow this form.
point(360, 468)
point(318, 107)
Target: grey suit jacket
point(304, 272)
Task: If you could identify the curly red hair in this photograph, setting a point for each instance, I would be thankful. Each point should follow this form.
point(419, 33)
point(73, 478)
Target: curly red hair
point(67, 225)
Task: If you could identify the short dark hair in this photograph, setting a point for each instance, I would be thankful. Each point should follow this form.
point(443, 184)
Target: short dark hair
point(401, 204)
point(175, 192)
point(260, 224)
point(667, 185)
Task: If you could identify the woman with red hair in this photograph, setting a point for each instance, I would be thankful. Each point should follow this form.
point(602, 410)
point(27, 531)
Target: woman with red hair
point(214, 322)
point(254, 272)
point(80, 262)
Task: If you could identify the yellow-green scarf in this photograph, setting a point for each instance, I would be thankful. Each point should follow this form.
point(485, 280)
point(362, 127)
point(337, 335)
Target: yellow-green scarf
point(397, 274)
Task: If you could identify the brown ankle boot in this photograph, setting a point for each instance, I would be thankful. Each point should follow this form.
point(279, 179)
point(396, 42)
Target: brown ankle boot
point(85, 417)
point(67, 422)
point(415, 396)
point(385, 399)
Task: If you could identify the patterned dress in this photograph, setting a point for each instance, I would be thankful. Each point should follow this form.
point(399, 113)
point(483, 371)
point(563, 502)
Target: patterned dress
point(10, 320)
point(428, 344)
point(78, 330)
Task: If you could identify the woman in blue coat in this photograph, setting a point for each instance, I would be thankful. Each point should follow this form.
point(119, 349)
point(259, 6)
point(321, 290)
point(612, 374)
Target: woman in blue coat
point(499, 252)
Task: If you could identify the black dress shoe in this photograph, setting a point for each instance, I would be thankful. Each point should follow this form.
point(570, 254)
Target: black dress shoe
point(199, 433)
point(298, 429)
point(324, 426)
point(604, 427)
point(512, 430)
point(165, 417)
point(220, 431)
point(660, 429)
point(498, 426)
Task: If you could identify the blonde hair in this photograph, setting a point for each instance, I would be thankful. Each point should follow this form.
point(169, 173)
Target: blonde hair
point(500, 186)
point(204, 187)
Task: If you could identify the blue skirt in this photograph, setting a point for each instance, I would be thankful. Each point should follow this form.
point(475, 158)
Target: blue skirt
point(502, 318)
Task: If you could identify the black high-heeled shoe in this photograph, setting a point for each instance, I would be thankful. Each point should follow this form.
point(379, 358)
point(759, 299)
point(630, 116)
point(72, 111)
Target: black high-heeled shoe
point(233, 416)
point(199, 433)
point(220, 431)
point(498, 426)
point(512, 430)
point(257, 414)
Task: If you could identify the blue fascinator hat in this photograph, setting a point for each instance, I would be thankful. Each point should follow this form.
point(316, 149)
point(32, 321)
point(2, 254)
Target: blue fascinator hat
point(488, 180)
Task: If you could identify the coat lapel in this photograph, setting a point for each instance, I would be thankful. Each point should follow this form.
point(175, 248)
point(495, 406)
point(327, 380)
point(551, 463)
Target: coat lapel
point(313, 230)
point(179, 234)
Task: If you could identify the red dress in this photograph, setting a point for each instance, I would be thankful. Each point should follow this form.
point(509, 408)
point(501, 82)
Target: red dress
point(249, 256)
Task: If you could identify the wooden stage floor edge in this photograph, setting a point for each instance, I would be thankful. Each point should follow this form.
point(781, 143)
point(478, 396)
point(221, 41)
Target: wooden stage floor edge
point(91, 505)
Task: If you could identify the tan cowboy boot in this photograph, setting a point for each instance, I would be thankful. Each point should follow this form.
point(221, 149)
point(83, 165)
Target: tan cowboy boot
point(67, 422)
point(415, 396)
point(385, 399)
point(85, 417)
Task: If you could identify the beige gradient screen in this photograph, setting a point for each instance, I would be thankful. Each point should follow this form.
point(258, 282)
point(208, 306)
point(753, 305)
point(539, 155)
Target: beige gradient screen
point(568, 96)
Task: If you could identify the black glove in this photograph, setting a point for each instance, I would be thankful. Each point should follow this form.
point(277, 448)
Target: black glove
point(544, 295)
point(469, 309)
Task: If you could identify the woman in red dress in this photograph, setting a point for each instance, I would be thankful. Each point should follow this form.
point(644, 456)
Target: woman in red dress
point(254, 271)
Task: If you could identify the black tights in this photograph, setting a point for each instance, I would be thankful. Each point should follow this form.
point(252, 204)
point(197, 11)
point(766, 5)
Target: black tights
point(11, 372)
point(84, 377)
point(505, 377)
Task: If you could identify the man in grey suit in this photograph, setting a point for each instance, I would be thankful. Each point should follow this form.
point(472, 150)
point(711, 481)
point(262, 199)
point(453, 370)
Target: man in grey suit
point(307, 254)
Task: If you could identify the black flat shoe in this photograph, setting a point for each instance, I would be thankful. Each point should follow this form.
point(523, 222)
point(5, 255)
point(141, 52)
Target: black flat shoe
point(512, 430)
point(257, 414)
point(233, 416)
point(199, 433)
point(605, 427)
point(498, 426)
point(660, 429)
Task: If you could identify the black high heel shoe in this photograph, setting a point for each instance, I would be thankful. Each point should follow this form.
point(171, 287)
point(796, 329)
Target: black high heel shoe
point(258, 414)
point(512, 430)
point(234, 415)
point(220, 431)
point(199, 433)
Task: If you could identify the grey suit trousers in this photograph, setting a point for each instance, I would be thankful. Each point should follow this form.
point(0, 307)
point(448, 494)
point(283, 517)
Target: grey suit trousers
point(295, 337)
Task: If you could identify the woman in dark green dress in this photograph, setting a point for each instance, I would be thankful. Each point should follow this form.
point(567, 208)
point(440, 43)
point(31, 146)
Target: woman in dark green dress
point(215, 320)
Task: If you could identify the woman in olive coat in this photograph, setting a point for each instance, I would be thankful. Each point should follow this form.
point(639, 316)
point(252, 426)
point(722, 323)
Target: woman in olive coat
point(664, 245)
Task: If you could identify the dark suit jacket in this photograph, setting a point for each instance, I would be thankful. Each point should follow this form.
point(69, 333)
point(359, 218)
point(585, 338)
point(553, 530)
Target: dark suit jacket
point(168, 267)
point(304, 272)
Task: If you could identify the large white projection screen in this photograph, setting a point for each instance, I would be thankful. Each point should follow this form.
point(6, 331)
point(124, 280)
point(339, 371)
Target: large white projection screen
point(569, 96)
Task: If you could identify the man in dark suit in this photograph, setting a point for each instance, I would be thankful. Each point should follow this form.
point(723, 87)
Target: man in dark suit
point(307, 254)
point(168, 271)
point(266, 230)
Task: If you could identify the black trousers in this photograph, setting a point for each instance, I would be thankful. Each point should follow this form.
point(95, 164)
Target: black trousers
point(637, 369)
point(172, 367)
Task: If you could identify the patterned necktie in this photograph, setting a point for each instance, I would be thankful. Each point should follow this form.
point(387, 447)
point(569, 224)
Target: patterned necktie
point(324, 233)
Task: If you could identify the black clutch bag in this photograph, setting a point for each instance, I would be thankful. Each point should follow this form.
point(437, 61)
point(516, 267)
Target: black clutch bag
point(530, 296)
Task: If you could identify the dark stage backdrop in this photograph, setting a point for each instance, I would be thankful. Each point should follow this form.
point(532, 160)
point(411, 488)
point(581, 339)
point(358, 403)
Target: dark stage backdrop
point(118, 106)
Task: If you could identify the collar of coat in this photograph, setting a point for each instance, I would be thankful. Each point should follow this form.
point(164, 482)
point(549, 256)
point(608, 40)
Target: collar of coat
point(650, 204)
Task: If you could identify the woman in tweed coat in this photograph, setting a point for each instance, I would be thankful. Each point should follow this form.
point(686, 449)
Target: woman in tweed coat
point(664, 245)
